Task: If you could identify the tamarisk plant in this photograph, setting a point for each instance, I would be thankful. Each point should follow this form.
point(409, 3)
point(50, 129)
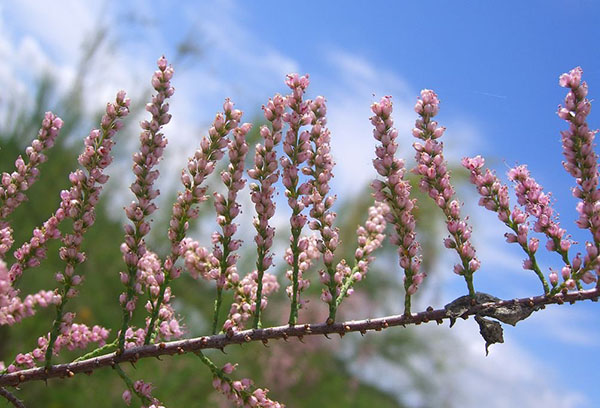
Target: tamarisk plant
point(305, 166)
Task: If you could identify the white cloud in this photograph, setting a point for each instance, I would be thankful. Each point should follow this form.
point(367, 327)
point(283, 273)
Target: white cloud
point(458, 373)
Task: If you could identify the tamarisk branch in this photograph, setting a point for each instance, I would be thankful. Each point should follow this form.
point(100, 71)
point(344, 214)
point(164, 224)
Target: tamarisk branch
point(496, 309)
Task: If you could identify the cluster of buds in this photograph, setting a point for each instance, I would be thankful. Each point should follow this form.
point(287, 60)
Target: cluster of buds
point(199, 167)
point(79, 201)
point(14, 185)
point(6, 241)
point(240, 392)
point(12, 308)
point(537, 204)
point(369, 237)
point(245, 300)
point(199, 261)
point(578, 149)
point(320, 169)
point(152, 145)
point(144, 391)
point(494, 197)
point(12, 193)
point(308, 251)
point(296, 146)
point(435, 181)
point(266, 174)
point(72, 336)
point(33, 252)
point(395, 191)
point(228, 208)
point(152, 277)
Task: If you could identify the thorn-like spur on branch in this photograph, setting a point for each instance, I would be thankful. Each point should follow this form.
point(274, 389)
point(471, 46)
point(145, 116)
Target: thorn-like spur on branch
point(220, 341)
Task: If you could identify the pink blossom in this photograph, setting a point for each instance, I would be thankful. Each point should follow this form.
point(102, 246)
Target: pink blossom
point(435, 181)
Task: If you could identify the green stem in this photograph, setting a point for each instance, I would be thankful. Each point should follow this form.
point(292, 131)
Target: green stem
point(218, 302)
point(56, 326)
point(295, 271)
point(260, 271)
point(145, 400)
point(469, 280)
point(99, 351)
point(155, 310)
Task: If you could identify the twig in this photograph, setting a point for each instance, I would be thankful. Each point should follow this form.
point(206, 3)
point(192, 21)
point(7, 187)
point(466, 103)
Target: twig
point(220, 341)
point(11, 398)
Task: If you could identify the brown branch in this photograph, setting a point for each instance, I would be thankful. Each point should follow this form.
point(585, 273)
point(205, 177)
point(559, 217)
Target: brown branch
point(10, 397)
point(220, 341)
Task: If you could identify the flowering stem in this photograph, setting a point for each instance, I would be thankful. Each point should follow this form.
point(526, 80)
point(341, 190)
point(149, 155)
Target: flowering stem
point(152, 143)
point(129, 383)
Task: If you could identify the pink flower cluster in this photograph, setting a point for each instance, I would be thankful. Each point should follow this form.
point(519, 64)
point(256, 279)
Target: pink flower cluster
point(12, 308)
point(320, 169)
point(14, 185)
point(144, 391)
point(395, 191)
point(12, 194)
point(153, 143)
point(198, 260)
point(78, 202)
point(228, 208)
point(6, 241)
point(239, 391)
point(537, 204)
point(369, 237)
point(266, 174)
point(33, 252)
point(296, 146)
point(72, 336)
point(435, 181)
point(494, 197)
point(308, 251)
point(578, 149)
point(152, 277)
point(245, 295)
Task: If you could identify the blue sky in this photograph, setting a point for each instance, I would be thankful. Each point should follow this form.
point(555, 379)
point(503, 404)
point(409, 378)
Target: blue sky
point(494, 65)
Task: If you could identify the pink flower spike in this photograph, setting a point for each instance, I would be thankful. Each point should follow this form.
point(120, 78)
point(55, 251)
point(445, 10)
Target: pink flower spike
point(395, 191)
point(435, 182)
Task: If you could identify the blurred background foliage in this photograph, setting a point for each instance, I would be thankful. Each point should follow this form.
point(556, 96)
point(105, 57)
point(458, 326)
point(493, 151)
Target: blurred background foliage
point(317, 372)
